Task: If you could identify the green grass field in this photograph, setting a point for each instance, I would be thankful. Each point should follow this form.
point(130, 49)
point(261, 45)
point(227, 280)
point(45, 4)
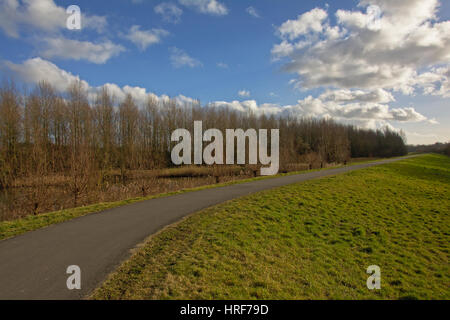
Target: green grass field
point(312, 240)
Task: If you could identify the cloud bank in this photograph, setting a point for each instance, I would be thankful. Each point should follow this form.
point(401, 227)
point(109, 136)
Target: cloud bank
point(390, 44)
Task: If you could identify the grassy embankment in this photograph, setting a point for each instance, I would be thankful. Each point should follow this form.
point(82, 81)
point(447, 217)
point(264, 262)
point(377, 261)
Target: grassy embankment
point(312, 240)
point(16, 227)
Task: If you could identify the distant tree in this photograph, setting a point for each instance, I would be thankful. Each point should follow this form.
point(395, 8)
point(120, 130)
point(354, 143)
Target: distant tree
point(10, 132)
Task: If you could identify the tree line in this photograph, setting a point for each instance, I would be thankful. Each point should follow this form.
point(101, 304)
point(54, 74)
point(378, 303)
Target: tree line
point(45, 132)
point(438, 147)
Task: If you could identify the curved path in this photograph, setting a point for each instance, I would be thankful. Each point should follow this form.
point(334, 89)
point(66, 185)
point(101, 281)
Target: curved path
point(33, 265)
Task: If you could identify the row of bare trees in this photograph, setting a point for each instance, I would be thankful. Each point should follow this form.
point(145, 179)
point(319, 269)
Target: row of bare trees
point(44, 132)
point(443, 148)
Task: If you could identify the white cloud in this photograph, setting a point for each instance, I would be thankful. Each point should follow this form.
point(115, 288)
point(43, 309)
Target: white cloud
point(97, 23)
point(282, 49)
point(49, 20)
point(347, 96)
point(169, 11)
point(311, 21)
point(253, 12)
point(179, 59)
point(222, 65)
point(37, 69)
point(361, 113)
point(80, 50)
point(248, 106)
point(43, 15)
point(395, 50)
point(286, 48)
point(144, 38)
point(435, 82)
point(213, 7)
point(244, 93)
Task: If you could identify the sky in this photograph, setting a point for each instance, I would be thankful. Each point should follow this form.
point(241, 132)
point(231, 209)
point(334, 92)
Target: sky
point(371, 63)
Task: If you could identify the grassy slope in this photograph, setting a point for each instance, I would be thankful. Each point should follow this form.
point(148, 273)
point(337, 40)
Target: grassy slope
point(312, 240)
point(16, 227)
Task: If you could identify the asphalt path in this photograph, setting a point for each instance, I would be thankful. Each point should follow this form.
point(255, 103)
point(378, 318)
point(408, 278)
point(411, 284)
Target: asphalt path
point(34, 265)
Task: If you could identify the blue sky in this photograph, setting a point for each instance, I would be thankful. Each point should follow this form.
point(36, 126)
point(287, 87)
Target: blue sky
point(225, 52)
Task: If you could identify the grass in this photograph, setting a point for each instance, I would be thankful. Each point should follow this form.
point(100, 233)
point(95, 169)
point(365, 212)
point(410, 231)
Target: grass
point(312, 240)
point(19, 226)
